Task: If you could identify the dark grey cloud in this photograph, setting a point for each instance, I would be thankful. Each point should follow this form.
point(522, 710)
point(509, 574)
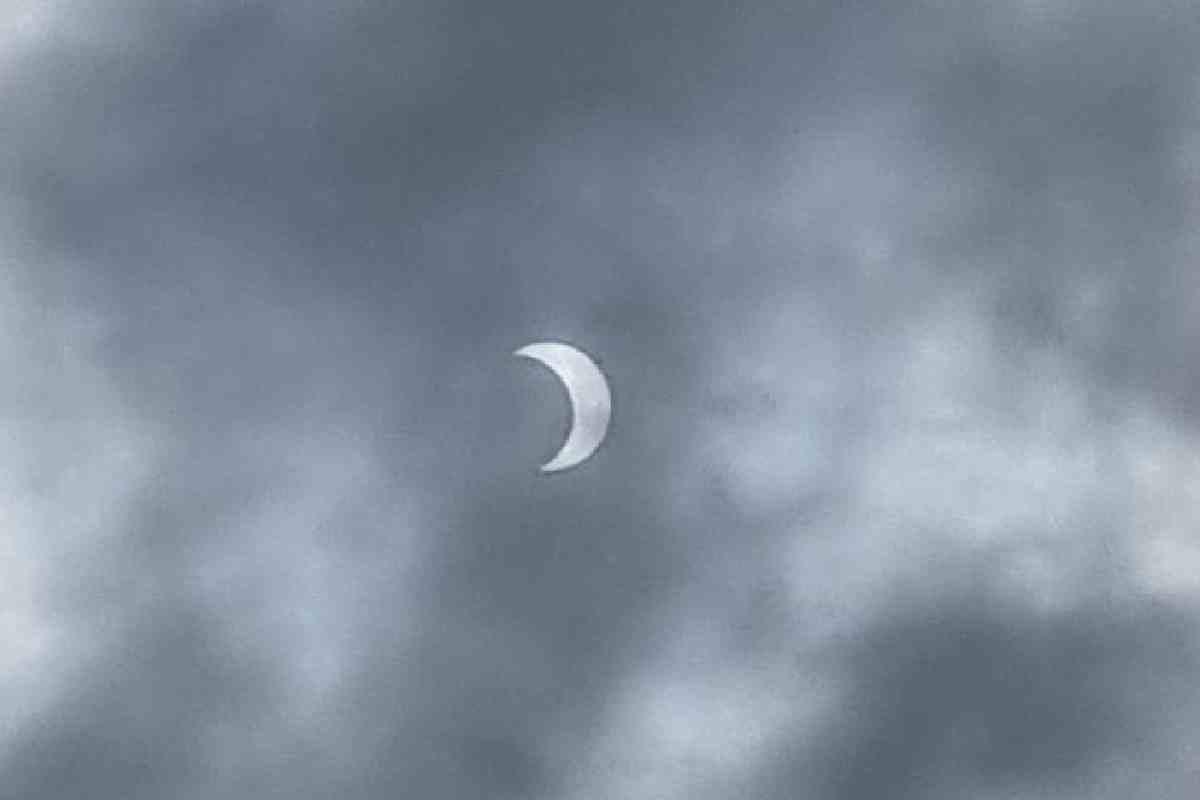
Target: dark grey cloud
point(967, 696)
point(896, 304)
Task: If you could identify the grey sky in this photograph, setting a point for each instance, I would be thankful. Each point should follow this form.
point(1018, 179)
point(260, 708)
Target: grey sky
point(898, 302)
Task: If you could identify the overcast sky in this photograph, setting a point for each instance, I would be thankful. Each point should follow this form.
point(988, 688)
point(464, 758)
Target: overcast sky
point(900, 303)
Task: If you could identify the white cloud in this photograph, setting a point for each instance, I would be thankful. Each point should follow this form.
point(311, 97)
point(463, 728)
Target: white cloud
point(72, 460)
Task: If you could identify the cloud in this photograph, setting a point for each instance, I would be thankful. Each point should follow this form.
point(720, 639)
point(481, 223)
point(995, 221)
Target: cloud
point(896, 304)
point(75, 457)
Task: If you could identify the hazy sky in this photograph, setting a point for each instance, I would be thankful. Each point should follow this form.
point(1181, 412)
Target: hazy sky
point(900, 303)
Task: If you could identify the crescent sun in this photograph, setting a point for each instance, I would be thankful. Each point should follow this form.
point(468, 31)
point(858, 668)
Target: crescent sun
point(591, 400)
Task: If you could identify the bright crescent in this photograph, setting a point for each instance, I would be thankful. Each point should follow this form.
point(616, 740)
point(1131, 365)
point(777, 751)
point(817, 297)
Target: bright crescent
point(591, 401)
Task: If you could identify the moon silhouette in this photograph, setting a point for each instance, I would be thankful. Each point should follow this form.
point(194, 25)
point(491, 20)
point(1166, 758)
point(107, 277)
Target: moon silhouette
point(591, 401)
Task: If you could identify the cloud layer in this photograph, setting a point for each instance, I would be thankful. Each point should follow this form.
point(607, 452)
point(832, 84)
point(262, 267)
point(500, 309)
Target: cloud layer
point(897, 302)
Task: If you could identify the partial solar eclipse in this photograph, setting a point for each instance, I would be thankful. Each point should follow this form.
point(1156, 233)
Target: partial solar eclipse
point(591, 401)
